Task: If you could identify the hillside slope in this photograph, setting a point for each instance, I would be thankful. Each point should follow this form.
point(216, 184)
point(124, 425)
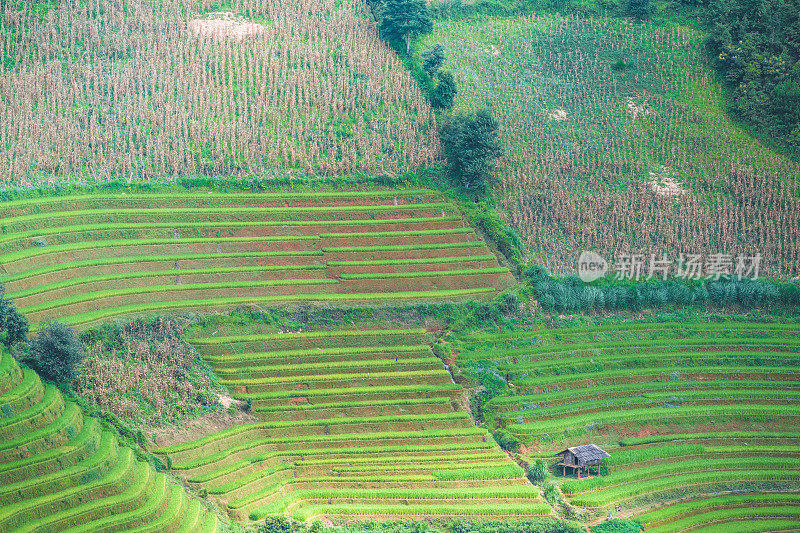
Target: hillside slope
point(151, 90)
point(62, 471)
point(695, 411)
point(617, 142)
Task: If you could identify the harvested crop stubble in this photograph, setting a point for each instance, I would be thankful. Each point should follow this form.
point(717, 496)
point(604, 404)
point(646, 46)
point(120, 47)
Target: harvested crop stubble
point(306, 84)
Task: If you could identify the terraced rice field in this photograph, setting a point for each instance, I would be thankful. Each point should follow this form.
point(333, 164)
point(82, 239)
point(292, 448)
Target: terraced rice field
point(61, 471)
point(700, 417)
point(354, 424)
point(84, 259)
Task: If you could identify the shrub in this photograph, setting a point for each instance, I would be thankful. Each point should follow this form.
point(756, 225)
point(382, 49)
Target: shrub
point(13, 325)
point(444, 93)
point(640, 9)
point(275, 524)
point(56, 353)
point(432, 59)
point(443, 350)
point(506, 440)
point(537, 471)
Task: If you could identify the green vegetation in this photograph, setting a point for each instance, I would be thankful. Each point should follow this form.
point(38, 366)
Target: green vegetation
point(252, 124)
point(146, 375)
point(570, 294)
point(361, 260)
point(56, 353)
point(222, 253)
point(470, 144)
point(376, 438)
point(66, 470)
point(615, 134)
point(758, 54)
point(670, 381)
point(404, 20)
point(542, 525)
point(13, 325)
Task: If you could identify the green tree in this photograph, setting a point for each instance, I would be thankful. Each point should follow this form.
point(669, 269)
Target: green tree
point(471, 145)
point(432, 59)
point(756, 47)
point(56, 353)
point(403, 20)
point(13, 325)
point(640, 9)
point(445, 91)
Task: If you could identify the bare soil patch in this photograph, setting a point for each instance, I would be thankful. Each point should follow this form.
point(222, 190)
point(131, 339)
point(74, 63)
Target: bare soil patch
point(198, 428)
point(223, 24)
point(559, 115)
point(663, 183)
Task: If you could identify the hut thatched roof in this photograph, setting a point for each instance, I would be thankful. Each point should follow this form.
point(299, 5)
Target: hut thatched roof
point(587, 453)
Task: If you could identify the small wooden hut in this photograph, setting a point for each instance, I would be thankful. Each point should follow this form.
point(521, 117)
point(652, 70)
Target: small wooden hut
point(579, 457)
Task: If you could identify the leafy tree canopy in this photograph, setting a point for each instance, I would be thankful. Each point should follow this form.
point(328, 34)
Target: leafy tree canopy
point(56, 353)
point(13, 325)
point(471, 145)
point(756, 45)
point(403, 20)
point(444, 93)
point(432, 59)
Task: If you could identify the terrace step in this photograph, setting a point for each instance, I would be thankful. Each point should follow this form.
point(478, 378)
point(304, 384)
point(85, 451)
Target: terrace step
point(59, 432)
point(337, 268)
point(49, 249)
point(33, 258)
point(93, 467)
point(366, 379)
point(404, 251)
point(365, 408)
point(156, 493)
point(108, 221)
point(346, 429)
point(277, 343)
point(392, 238)
point(316, 355)
point(65, 473)
point(74, 452)
point(64, 290)
point(36, 513)
point(321, 369)
point(37, 417)
point(195, 201)
point(25, 395)
point(376, 395)
point(10, 373)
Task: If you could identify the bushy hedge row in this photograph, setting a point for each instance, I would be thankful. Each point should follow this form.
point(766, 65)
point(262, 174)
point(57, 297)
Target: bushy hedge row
point(571, 294)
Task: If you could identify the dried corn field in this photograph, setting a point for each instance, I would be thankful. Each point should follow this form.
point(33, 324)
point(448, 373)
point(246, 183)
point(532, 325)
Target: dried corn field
point(617, 142)
point(146, 89)
point(146, 374)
